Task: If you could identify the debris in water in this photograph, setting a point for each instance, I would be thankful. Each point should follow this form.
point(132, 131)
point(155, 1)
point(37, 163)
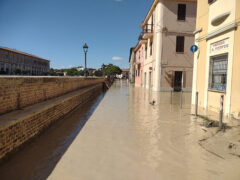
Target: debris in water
point(231, 145)
point(152, 102)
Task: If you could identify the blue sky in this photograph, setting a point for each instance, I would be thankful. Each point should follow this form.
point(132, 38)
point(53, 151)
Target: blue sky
point(57, 29)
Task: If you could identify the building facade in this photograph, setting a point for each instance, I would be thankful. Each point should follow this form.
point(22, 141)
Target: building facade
point(139, 60)
point(132, 66)
point(166, 37)
point(17, 62)
point(217, 63)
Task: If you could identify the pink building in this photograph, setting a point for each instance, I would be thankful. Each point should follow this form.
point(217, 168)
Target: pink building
point(139, 60)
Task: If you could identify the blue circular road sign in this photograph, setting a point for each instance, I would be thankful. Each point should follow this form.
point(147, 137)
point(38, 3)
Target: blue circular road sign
point(194, 48)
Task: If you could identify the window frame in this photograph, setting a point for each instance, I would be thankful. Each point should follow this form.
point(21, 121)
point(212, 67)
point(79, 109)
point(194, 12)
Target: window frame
point(151, 48)
point(182, 12)
point(180, 47)
point(211, 75)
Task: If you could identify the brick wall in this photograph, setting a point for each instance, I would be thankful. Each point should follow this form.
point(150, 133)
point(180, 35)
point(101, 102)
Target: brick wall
point(18, 132)
point(19, 92)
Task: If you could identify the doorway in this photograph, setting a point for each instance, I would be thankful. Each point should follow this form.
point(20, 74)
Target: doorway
point(178, 81)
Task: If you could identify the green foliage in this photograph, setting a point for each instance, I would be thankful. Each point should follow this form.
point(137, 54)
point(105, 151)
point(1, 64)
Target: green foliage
point(112, 70)
point(91, 74)
point(25, 72)
point(98, 73)
point(52, 72)
point(17, 71)
point(74, 72)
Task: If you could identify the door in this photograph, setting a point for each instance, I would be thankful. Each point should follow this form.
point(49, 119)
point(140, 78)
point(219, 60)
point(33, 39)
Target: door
point(178, 81)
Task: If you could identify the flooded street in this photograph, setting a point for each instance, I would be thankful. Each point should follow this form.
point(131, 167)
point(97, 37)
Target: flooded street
point(122, 136)
point(128, 138)
point(37, 159)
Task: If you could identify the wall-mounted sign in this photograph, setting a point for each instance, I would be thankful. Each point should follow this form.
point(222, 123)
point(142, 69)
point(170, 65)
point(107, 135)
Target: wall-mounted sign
point(220, 45)
point(194, 48)
point(150, 68)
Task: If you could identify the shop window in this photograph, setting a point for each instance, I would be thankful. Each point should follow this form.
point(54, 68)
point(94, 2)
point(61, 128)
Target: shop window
point(180, 44)
point(181, 11)
point(218, 73)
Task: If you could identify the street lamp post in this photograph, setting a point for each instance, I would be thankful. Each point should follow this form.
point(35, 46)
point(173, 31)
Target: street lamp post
point(85, 49)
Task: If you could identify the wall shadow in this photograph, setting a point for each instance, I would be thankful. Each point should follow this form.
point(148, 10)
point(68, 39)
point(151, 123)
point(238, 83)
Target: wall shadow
point(38, 159)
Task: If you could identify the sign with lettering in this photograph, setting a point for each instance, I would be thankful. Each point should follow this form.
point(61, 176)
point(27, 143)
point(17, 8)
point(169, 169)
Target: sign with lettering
point(220, 45)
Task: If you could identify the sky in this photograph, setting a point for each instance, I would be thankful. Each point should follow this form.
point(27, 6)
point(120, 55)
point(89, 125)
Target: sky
point(57, 29)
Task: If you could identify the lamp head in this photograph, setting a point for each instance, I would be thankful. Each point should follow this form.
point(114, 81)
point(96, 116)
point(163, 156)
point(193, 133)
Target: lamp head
point(85, 48)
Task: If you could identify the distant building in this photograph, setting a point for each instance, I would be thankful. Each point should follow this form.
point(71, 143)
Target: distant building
point(17, 62)
point(125, 73)
point(132, 65)
point(79, 68)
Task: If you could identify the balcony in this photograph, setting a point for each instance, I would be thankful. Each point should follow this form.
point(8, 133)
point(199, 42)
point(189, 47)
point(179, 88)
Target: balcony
point(147, 31)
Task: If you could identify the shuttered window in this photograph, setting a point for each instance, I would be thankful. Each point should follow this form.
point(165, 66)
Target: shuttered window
point(180, 44)
point(151, 44)
point(181, 11)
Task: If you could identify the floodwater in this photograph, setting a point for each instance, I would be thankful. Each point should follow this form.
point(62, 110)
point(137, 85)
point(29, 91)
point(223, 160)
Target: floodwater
point(121, 136)
point(128, 138)
point(37, 159)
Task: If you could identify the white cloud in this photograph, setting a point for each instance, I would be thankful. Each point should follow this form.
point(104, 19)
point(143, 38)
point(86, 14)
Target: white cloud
point(116, 58)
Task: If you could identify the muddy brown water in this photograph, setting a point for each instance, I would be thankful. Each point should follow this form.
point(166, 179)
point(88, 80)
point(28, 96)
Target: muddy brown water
point(123, 136)
point(37, 159)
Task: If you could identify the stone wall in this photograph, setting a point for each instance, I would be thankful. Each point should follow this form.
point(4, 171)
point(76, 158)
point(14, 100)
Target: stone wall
point(15, 133)
point(19, 92)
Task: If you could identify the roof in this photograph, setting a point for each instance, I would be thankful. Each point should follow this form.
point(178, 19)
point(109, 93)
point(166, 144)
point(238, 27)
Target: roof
point(125, 70)
point(22, 53)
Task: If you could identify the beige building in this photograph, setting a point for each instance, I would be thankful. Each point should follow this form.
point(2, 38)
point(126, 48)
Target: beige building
point(167, 37)
point(217, 63)
point(17, 62)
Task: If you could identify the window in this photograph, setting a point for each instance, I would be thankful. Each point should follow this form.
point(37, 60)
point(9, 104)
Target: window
point(211, 1)
point(181, 11)
point(151, 43)
point(145, 52)
point(180, 44)
point(218, 73)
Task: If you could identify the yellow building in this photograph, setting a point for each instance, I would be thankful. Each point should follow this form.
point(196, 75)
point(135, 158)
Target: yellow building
point(217, 62)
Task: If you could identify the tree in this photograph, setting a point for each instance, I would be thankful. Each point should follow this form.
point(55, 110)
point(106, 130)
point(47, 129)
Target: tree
point(52, 72)
point(25, 71)
point(17, 71)
point(112, 70)
point(98, 73)
point(91, 74)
